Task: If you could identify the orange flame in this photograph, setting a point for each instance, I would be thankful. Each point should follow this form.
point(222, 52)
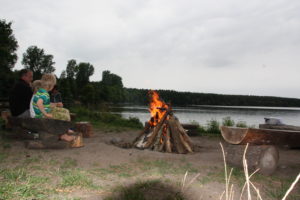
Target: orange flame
point(157, 108)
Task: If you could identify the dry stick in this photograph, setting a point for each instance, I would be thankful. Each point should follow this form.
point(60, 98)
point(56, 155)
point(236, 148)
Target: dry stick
point(291, 187)
point(191, 181)
point(157, 139)
point(245, 182)
point(168, 143)
point(257, 191)
point(188, 148)
point(225, 167)
point(176, 136)
point(183, 181)
point(231, 192)
point(147, 126)
point(184, 134)
point(156, 129)
point(246, 172)
point(221, 197)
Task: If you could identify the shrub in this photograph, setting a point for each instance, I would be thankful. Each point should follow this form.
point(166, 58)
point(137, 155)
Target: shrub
point(241, 124)
point(227, 121)
point(213, 126)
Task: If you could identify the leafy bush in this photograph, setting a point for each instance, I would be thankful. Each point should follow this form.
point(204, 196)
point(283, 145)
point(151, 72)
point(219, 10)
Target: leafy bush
point(83, 114)
point(241, 124)
point(213, 126)
point(227, 121)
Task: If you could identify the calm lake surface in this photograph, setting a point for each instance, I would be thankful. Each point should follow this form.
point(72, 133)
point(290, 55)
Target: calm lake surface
point(202, 114)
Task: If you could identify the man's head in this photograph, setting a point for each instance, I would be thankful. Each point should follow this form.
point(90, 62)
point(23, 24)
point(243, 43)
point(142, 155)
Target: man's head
point(26, 75)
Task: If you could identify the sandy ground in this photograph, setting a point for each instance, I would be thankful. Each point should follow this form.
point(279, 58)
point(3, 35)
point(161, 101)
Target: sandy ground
point(98, 152)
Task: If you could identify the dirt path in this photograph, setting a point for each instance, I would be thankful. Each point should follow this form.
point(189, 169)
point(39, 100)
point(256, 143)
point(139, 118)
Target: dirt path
point(110, 166)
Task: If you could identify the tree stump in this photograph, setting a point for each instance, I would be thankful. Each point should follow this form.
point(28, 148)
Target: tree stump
point(85, 128)
point(263, 157)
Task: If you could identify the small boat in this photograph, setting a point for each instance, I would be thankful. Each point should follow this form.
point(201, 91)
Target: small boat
point(261, 136)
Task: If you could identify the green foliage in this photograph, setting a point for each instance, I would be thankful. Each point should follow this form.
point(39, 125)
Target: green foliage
point(106, 117)
point(83, 73)
point(139, 96)
point(241, 124)
point(8, 57)
point(77, 178)
point(9, 45)
point(213, 126)
point(227, 121)
point(36, 60)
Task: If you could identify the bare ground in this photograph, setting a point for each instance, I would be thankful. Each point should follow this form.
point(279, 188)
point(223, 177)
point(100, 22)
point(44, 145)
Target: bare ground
point(109, 166)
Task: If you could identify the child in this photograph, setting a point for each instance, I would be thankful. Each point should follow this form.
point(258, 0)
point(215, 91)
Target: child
point(41, 101)
point(36, 85)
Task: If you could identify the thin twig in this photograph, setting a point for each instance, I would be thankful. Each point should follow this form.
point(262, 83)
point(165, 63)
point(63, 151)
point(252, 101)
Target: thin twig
point(183, 181)
point(246, 172)
point(226, 180)
point(291, 187)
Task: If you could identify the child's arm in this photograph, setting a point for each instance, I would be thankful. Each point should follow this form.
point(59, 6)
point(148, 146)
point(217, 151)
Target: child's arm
point(40, 105)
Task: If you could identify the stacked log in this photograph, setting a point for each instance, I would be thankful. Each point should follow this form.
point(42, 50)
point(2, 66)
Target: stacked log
point(85, 128)
point(167, 136)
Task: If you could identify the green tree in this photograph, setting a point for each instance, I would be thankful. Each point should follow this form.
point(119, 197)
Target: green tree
point(71, 69)
point(113, 87)
point(111, 79)
point(8, 57)
point(36, 60)
point(84, 71)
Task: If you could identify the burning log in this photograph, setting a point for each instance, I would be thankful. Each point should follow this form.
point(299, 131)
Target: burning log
point(163, 132)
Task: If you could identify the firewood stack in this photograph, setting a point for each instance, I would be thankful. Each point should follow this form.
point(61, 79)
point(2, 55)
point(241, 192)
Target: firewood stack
point(163, 132)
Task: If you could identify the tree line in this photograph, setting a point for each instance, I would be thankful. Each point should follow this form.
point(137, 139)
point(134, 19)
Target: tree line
point(75, 85)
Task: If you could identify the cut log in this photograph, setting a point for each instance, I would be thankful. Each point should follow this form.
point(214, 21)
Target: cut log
point(85, 128)
point(255, 136)
point(168, 143)
point(176, 136)
point(51, 126)
point(157, 143)
point(145, 131)
point(185, 136)
point(156, 130)
point(264, 157)
point(279, 127)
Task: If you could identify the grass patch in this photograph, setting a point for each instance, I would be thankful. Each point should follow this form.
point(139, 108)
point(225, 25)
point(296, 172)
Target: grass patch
point(19, 184)
point(68, 163)
point(76, 178)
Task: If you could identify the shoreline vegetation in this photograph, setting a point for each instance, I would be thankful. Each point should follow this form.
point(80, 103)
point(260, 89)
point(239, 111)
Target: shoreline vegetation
point(116, 121)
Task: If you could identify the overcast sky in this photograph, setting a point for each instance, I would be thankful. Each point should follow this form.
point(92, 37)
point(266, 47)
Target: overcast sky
point(216, 46)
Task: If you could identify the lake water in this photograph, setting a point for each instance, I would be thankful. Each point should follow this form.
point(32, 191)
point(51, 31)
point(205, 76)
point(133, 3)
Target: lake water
point(202, 114)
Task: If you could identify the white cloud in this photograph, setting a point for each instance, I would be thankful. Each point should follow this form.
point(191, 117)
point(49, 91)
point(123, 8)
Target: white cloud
point(229, 46)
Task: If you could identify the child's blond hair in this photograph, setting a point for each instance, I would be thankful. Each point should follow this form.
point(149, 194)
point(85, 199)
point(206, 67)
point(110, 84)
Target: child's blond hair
point(48, 81)
point(37, 84)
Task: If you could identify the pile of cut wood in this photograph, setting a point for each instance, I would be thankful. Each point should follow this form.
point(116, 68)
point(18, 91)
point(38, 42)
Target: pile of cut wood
point(167, 135)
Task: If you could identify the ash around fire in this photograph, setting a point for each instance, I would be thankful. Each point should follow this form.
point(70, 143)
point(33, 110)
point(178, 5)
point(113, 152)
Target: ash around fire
point(147, 190)
point(121, 143)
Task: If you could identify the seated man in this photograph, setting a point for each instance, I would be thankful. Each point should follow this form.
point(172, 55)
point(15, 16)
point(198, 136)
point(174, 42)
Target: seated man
point(21, 94)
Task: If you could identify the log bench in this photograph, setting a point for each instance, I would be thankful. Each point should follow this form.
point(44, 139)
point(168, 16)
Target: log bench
point(263, 146)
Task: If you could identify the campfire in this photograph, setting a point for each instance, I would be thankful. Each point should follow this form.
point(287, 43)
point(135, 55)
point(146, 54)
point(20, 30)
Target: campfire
point(163, 132)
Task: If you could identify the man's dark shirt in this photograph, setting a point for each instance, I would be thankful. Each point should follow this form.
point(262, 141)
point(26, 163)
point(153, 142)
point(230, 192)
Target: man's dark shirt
point(20, 97)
